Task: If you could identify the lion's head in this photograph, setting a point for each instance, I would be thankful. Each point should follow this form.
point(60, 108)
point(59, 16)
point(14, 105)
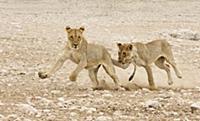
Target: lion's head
point(75, 37)
point(126, 53)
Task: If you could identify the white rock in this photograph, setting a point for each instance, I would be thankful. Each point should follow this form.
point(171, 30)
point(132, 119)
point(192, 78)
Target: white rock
point(74, 108)
point(11, 117)
point(89, 118)
point(125, 117)
point(27, 119)
point(26, 108)
point(44, 101)
point(152, 104)
point(2, 117)
point(55, 92)
point(73, 114)
point(83, 109)
point(38, 115)
point(117, 113)
point(46, 111)
point(146, 90)
point(61, 99)
point(51, 118)
point(1, 104)
point(107, 96)
point(195, 106)
point(101, 113)
point(197, 88)
point(104, 118)
point(91, 110)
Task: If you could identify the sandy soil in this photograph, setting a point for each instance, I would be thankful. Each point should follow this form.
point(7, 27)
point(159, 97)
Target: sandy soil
point(32, 33)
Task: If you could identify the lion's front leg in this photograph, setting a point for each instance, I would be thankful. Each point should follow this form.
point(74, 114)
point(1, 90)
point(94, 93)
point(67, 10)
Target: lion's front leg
point(55, 67)
point(82, 64)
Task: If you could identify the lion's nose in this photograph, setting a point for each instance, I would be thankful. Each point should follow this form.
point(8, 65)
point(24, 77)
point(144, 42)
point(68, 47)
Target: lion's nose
point(75, 45)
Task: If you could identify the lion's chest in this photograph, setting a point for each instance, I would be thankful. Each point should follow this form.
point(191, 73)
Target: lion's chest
point(76, 57)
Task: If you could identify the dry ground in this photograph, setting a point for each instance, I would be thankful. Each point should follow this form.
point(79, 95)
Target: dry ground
point(32, 33)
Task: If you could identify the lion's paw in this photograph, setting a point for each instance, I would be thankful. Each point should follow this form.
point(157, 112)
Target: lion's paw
point(72, 77)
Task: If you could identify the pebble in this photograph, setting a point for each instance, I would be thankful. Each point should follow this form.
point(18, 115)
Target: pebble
point(195, 106)
point(55, 92)
point(89, 118)
point(51, 118)
point(11, 117)
point(26, 108)
point(107, 96)
point(152, 104)
point(2, 117)
point(104, 118)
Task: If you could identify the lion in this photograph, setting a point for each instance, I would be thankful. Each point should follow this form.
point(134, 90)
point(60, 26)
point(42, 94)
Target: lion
point(86, 56)
point(144, 55)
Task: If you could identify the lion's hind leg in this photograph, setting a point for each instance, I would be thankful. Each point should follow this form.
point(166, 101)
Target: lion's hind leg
point(172, 62)
point(160, 63)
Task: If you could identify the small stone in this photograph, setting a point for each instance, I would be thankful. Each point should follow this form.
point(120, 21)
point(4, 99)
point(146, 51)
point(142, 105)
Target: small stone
point(2, 117)
point(9, 84)
point(107, 96)
point(197, 88)
point(83, 109)
point(152, 104)
point(104, 118)
point(73, 114)
point(1, 104)
point(72, 108)
point(11, 117)
point(38, 115)
point(26, 108)
point(117, 113)
point(91, 110)
point(55, 92)
point(46, 111)
point(145, 90)
point(125, 117)
point(101, 113)
point(61, 99)
point(27, 119)
point(195, 106)
point(89, 118)
point(51, 118)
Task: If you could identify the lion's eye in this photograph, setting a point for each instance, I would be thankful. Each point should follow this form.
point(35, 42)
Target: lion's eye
point(71, 37)
point(79, 38)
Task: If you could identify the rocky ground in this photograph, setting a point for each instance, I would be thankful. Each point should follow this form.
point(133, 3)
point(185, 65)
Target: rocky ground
point(32, 33)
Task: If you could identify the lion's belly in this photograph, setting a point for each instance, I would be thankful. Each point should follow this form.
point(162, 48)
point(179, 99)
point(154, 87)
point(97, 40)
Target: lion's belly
point(94, 57)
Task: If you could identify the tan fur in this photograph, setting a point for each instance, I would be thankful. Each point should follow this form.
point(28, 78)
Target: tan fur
point(86, 56)
point(157, 51)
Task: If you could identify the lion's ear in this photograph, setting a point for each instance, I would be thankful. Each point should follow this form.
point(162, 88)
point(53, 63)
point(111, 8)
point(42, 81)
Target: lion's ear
point(119, 45)
point(82, 29)
point(67, 28)
point(130, 47)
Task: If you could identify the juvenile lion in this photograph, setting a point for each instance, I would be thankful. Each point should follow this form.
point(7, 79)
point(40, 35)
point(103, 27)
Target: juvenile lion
point(88, 56)
point(157, 51)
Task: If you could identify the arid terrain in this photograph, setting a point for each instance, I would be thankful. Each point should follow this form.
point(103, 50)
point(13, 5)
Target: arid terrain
point(32, 33)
